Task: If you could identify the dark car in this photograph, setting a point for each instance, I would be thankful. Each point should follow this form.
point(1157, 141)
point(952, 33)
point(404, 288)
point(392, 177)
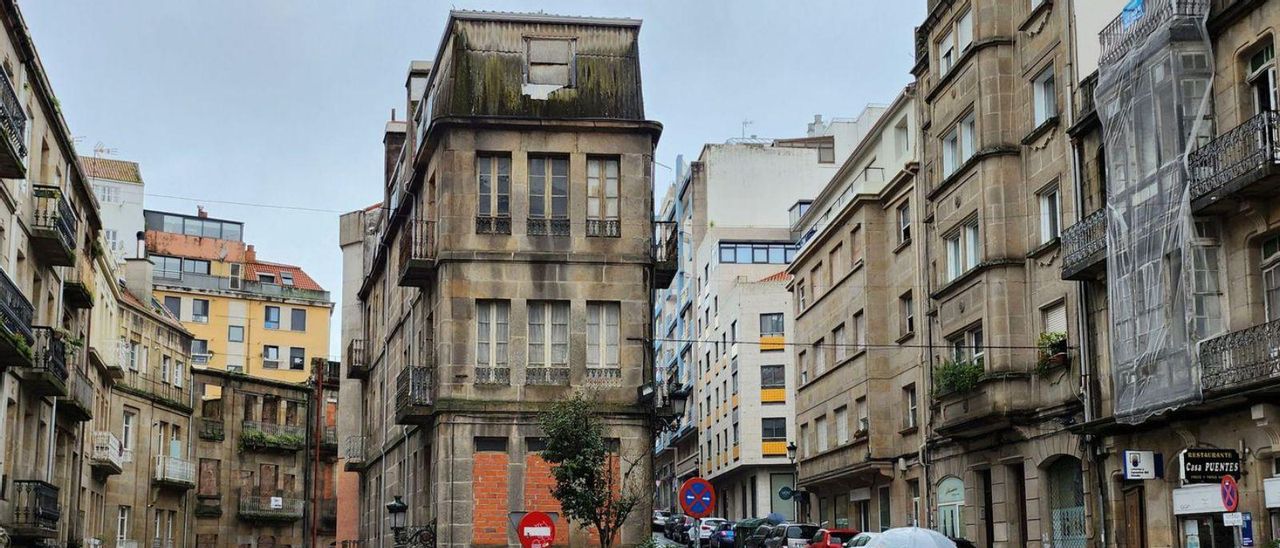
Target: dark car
point(677, 529)
point(790, 535)
point(757, 538)
point(722, 537)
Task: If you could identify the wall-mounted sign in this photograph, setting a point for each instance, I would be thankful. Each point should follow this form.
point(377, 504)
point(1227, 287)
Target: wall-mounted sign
point(1143, 465)
point(277, 503)
point(1209, 465)
point(1232, 519)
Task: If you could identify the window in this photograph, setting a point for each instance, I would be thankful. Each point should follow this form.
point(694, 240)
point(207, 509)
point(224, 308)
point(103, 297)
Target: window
point(199, 351)
point(955, 42)
point(1262, 79)
point(757, 252)
point(297, 319)
point(127, 429)
point(901, 138)
point(950, 497)
point(859, 332)
point(271, 317)
point(286, 278)
point(297, 358)
point(733, 332)
point(1271, 277)
point(771, 324)
point(548, 187)
point(885, 508)
point(904, 223)
point(967, 345)
point(200, 310)
point(549, 61)
point(801, 301)
point(855, 246)
point(602, 197)
point(804, 441)
point(772, 376)
point(842, 425)
point(864, 423)
point(167, 267)
point(491, 340)
point(819, 358)
point(235, 333)
point(602, 335)
point(493, 177)
point(1053, 318)
point(962, 250)
point(195, 266)
point(957, 145)
point(174, 304)
point(820, 425)
point(839, 338)
point(912, 405)
point(271, 357)
point(802, 364)
point(266, 278)
point(906, 315)
point(1045, 97)
point(773, 428)
point(164, 369)
point(1206, 279)
point(548, 334)
point(122, 524)
point(1050, 215)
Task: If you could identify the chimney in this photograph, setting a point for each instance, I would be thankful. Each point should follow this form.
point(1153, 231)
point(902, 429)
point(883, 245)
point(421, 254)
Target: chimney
point(816, 126)
point(250, 256)
point(138, 271)
point(201, 213)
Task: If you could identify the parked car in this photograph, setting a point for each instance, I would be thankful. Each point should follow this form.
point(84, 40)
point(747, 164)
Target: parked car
point(705, 526)
point(757, 538)
point(860, 539)
point(832, 538)
point(790, 535)
point(677, 529)
point(660, 521)
point(723, 536)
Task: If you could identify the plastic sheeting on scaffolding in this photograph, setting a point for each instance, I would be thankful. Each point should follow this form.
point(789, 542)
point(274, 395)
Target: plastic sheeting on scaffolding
point(1152, 98)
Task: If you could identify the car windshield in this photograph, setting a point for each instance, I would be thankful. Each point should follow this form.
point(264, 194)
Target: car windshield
point(836, 539)
point(801, 531)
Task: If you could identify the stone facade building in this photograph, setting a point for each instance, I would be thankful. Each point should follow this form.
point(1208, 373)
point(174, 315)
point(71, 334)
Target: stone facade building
point(512, 266)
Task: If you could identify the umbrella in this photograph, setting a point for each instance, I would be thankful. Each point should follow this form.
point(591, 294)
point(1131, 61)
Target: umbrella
point(911, 537)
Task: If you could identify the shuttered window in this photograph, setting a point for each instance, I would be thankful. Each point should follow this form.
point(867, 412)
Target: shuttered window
point(1055, 318)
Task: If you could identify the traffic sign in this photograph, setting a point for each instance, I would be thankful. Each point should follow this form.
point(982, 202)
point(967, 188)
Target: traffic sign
point(536, 530)
point(697, 498)
point(1230, 494)
point(785, 493)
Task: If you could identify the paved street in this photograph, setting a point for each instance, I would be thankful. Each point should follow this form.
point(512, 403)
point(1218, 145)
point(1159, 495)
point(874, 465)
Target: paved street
point(664, 541)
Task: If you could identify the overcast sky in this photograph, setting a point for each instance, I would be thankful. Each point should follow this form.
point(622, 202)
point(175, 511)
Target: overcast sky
point(283, 102)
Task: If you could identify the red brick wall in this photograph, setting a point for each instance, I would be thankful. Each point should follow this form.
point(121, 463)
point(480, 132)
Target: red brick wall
point(489, 482)
point(538, 484)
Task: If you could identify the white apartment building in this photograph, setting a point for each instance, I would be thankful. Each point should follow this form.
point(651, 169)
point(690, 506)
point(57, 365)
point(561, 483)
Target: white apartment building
point(119, 188)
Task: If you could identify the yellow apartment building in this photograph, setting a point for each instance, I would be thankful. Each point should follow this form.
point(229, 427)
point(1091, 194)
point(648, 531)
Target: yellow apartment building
point(247, 316)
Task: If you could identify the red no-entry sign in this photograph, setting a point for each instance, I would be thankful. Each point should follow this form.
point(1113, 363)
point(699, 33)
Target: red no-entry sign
point(1230, 494)
point(536, 530)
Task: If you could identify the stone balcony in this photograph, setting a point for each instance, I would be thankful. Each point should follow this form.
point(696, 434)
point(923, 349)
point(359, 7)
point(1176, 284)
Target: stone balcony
point(1084, 248)
point(357, 360)
point(354, 453)
point(107, 457)
point(174, 472)
point(78, 403)
point(417, 252)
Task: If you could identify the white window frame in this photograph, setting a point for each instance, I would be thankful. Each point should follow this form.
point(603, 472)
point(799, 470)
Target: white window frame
point(822, 433)
point(964, 249)
point(493, 336)
point(913, 405)
point(543, 314)
point(1044, 96)
point(864, 421)
point(604, 320)
point(842, 425)
point(604, 202)
point(958, 145)
point(954, 43)
point(122, 522)
point(542, 187)
point(489, 204)
point(1270, 266)
point(127, 424)
point(904, 223)
point(1050, 214)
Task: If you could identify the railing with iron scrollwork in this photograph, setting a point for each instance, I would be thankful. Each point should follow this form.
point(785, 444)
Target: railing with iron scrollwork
point(416, 536)
point(604, 228)
point(1234, 154)
point(541, 226)
point(354, 452)
point(35, 505)
point(547, 376)
point(1081, 240)
point(12, 117)
point(1241, 358)
point(53, 212)
point(1132, 26)
point(489, 224)
point(50, 351)
point(413, 387)
point(16, 310)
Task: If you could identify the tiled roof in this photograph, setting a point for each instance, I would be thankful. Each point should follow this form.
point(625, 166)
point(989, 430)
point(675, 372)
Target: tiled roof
point(116, 170)
point(156, 309)
point(300, 279)
point(781, 276)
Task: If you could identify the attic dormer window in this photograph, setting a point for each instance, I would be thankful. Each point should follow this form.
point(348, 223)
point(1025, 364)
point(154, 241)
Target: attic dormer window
point(286, 278)
point(549, 61)
point(266, 278)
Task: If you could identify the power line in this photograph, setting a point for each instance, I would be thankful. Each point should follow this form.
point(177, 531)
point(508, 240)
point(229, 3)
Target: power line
point(248, 204)
point(852, 345)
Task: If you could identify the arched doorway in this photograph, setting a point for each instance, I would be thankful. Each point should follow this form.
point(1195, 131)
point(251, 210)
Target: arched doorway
point(950, 501)
point(1066, 502)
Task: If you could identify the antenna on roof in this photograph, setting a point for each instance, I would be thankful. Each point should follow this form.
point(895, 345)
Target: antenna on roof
point(746, 123)
point(101, 149)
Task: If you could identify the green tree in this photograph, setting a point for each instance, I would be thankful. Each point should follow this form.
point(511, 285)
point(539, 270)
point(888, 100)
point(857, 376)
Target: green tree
point(591, 486)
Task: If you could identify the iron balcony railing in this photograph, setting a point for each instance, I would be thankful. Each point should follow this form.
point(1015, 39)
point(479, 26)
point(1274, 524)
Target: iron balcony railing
point(226, 283)
point(15, 310)
point(163, 389)
point(127, 543)
point(282, 507)
point(174, 470)
point(13, 119)
point(35, 506)
point(53, 212)
point(1237, 153)
point(491, 224)
point(1241, 358)
point(357, 359)
point(604, 228)
point(107, 450)
point(274, 429)
point(330, 436)
point(50, 352)
point(162, 543)
point(542, 226)
point(547, 376)
point(80, 391)
point(1081, 241)
point(212, 429)
point(413, 387)
point(1088, 87)
point(666, 239)
point(354, 450)
point(1135, 24)
point(418, 241)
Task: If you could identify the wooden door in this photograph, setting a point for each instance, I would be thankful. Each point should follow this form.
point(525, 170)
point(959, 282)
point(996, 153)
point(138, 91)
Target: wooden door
point(267, 480)
point(209, 474)
point(1135, 519)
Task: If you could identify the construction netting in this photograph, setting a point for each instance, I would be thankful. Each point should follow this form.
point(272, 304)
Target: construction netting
point(1153, 101)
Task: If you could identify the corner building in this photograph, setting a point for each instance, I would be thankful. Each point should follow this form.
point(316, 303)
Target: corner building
point(511, 266)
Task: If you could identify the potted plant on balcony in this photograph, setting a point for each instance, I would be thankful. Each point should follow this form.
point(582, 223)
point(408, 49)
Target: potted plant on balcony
point(956, 375)
point(1053, 352)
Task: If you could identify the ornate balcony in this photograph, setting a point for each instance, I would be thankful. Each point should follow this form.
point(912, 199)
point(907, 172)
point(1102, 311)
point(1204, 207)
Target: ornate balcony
point(604, 228)
point(666, 238)
point(208, 506)
point(353, 453)
point(1240, 163)
point(112, 359)
point(489, 224)
point(357, 360)
point(53, 228)
point(175, 472)
point(1084, 248)
point(77, 285)
point(1132, 27)
point(330, 372)
point(158, 390)
point(418, 252)
point(212, 429)
point(413, 395)
point(35, 510)
point(108, 455)
point(542, 226)
point(78, 403)
point(329, 440)
point(546, 376)
point(1248, 358)
point(13, 132)
point(266, 436)
point(47, 374)
point(15, 324)
point(281, 508)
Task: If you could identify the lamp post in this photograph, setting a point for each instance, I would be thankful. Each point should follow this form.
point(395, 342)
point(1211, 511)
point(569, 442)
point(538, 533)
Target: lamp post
point(405, 536)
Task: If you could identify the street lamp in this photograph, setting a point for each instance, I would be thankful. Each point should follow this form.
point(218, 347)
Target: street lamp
point(405, 536)
point(397, 508)
point(791, 451)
